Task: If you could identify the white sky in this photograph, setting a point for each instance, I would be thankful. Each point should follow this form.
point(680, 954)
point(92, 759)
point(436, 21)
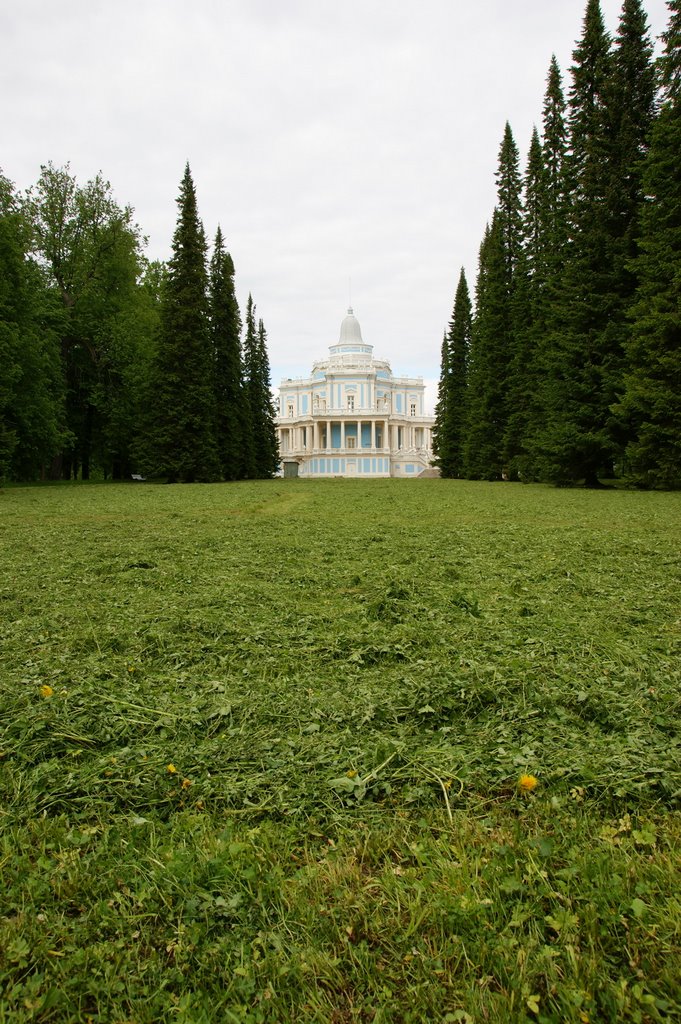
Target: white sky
point(333, 140)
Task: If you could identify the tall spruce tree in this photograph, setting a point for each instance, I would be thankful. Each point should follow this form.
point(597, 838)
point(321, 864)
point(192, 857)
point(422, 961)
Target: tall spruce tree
point(451, 411)
point(575, 441)
point(183, 433)
point(631, 111)
point(225, 324)
point(554, 151)
point(459, 344)
point(440, 446)
point(268, 447)
point(264, 449)
point(489, 361)
point(651, 404)
point(528, 292)
point(500, 323)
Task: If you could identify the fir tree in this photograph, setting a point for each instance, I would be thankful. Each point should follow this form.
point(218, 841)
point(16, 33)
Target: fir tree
point(225, 323)
point(458, 343)
point(651, 405)
point(529, 285)
point(489, 360)
point(575, 442)
point(183, 438)
point(268, 447)
point(554, 150)
point(509, 204)
point(449, 432)
point(264, 449)
point(440, 445)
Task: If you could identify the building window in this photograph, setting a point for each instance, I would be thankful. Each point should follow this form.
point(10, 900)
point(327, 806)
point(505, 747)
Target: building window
point(350, 442)
point(412, 409)
point(351, 403)
point(290, 410)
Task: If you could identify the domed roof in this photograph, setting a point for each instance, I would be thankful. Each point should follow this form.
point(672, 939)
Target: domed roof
point(350, 332)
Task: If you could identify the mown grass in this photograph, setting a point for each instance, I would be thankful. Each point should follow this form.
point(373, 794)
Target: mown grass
point(274, 774)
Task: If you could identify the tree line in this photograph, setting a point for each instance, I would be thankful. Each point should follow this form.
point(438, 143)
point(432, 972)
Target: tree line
point(568, 368)
point(111, 364)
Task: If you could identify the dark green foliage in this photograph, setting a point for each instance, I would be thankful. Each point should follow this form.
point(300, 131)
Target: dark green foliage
point(182, 437)
point(89, 249)
point(450, 415)
point(263, 452)
point(574, 358)
point(225, 326)
point(30, 406)
point(499, 326)
point(441, 408)
point(575, 442)
point(651, 406)
point(611, 104)
point(528, 296)
point(489, 361)
point(509, 204)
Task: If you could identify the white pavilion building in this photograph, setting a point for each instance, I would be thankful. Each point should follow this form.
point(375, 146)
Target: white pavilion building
point(352, 418)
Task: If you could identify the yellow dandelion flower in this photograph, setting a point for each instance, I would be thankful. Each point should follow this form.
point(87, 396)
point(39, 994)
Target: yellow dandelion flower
point(171, 769)
point(46, 691)
point(186, 783)
point(526, 783)
point(352, 773)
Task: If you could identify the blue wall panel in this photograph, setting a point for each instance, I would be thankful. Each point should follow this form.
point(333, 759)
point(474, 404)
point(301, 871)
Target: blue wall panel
point(366, 435)
point(335, 435)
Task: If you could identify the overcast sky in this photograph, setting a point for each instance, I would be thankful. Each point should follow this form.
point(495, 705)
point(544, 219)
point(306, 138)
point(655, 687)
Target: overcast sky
point(335, 141)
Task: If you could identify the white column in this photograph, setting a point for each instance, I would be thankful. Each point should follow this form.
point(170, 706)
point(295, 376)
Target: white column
point(373, 433)
point(328, 434)
point(342, 439)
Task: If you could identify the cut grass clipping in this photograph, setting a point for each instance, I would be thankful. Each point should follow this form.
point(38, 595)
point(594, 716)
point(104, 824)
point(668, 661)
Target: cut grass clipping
point(339, 751)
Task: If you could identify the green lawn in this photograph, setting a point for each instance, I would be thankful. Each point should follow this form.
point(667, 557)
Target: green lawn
point(260, 747)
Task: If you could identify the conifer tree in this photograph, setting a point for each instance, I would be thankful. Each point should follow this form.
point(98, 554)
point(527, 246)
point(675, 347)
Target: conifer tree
point(440, 446)
point(183, 435)
point(546, 231)
point(489, 360)
point(554, 151)
point(450, 414)
point(611, 104)
point(264, 449)
point(575, 442)
point(225, 325)
point(268, 455)
point(500, 323)
point(459, 344)
point(529, 285)
point(651, 405)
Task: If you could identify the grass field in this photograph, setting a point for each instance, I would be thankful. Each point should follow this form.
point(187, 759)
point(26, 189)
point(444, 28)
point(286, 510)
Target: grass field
point(261, 751)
